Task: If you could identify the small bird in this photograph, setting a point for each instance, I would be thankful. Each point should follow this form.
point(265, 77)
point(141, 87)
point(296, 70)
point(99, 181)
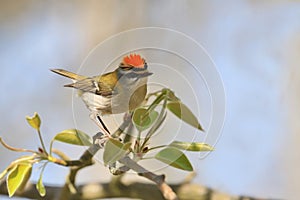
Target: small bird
point(119, 91)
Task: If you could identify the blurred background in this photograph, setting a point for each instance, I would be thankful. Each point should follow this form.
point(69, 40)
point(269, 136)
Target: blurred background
point(256, 48)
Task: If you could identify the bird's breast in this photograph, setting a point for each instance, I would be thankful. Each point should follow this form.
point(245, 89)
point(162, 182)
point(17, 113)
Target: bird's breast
point(97, 103)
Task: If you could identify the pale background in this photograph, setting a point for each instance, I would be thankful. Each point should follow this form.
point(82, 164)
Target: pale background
point(255, 45)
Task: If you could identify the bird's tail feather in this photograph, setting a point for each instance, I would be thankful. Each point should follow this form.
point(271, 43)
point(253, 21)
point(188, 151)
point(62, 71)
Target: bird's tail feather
point(68, 74)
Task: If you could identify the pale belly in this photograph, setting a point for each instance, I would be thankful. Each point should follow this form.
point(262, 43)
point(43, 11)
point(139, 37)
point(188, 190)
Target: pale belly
point(97, 103)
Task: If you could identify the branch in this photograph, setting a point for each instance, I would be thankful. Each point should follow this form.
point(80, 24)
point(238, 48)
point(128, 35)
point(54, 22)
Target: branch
point(166, 190)
point(145, 191)
point(70, 190)
point(185, 190)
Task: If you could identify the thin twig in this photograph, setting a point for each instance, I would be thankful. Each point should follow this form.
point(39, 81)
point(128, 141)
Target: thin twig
point(60, 154)
point(16, 149)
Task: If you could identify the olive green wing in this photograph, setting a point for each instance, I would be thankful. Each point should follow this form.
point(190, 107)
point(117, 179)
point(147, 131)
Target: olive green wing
point(102, 85)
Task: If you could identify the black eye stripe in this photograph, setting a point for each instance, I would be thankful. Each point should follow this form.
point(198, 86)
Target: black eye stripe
point(126, 68)
point(138, 69)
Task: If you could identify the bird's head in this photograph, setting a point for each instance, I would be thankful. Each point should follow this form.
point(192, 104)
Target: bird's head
point(134, 65)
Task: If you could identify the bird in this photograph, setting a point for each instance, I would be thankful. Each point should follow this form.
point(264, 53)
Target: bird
point(119, 91)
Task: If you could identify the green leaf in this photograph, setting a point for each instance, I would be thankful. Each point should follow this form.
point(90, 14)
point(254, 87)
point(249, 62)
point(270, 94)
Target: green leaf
point(184, 113)
point(40, 186)
point(34, 121)
point(14, 163)
point(174, 158)
point(192, 146)
point(18, 177)
point(143, 119)
point(74, 136)
point(114, 150)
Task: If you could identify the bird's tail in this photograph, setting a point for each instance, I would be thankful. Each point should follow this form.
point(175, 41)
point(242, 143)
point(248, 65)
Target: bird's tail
point(68, 74)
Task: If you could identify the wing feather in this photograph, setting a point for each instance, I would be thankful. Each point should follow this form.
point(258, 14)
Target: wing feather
point(93, 86)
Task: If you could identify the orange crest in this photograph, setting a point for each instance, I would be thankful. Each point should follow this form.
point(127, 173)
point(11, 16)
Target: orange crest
point(134, 60)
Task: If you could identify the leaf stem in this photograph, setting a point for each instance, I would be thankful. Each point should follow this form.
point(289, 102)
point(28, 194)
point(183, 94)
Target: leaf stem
point(42, 142)
point(51, 144)
point(60, 154)
point(152, 94)
point(159, 120)
point(138, 139)
point(16, 149)
point(157, 147)
point(156, 102)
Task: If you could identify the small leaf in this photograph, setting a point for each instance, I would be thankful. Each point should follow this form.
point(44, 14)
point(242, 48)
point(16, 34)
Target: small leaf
point(74, 136)
point(192, 146)
point(143, 119)
point(34, 121)
point(18, 177)
point(14, 163)
point(184, 113)
point(174, 158)
point(40, 186)
point(114, 150)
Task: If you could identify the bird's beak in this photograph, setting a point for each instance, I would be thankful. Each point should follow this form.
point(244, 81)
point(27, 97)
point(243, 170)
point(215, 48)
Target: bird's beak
point(146, 74)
